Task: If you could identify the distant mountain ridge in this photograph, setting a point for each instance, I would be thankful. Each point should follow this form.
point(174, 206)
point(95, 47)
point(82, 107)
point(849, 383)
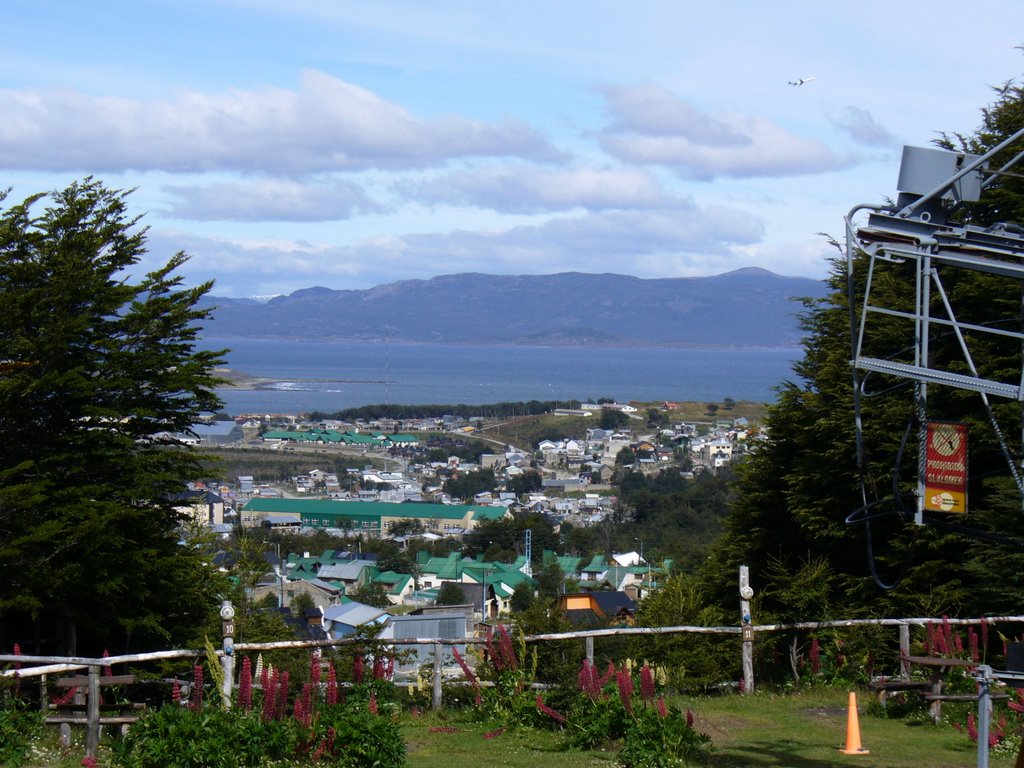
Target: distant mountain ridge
point(747, 307)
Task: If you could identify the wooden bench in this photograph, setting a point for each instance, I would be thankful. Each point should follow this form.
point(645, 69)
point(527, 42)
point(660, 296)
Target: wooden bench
point(884, 688)
point(76, 713)
point(962, 696)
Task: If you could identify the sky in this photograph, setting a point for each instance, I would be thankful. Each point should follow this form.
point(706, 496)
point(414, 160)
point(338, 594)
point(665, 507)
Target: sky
point(285, 144)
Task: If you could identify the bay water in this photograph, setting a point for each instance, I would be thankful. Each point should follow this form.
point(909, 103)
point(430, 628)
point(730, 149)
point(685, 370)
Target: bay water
point(330, 376)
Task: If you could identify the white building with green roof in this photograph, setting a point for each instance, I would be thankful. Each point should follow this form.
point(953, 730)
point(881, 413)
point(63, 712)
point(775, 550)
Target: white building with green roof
point(372, 518)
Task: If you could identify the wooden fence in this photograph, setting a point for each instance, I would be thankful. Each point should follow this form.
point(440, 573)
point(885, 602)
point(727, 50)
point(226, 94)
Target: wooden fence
point(42, 666)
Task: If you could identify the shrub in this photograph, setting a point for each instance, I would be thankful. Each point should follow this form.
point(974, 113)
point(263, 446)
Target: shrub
point(180, 737)
point(654, 740)
point(19, 726)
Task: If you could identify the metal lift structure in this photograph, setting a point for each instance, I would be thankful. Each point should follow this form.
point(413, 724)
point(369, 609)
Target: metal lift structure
point(918, 240)
point(917, 244)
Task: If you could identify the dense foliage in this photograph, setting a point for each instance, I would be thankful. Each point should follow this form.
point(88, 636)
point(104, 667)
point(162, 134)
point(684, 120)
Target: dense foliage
point(97, 366)
point(793, 497)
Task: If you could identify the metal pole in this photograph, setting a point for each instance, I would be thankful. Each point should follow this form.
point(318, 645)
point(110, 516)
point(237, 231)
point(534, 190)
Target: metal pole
point(982, 675)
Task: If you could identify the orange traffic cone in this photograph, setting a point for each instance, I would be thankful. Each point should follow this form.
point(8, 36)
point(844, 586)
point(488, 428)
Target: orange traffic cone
point(853, 746)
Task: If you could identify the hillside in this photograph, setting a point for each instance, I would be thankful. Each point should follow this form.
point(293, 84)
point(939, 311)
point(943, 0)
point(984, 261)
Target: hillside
point(748, 307)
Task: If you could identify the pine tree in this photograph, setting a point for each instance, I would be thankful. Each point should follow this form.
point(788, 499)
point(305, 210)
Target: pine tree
point(98, 367)
point(794, 496)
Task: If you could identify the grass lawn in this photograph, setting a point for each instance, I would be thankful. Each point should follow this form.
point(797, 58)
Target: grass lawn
point(802, 730)
point(794, 730)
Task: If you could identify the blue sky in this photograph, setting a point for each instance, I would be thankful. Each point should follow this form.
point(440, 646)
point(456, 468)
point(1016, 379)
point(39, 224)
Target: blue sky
point(290, 143)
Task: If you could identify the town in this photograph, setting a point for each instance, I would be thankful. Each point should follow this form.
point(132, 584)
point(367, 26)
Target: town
point(421, 519)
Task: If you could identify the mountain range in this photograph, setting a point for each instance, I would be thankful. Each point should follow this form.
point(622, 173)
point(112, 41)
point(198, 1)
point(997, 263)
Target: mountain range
point(747, 307)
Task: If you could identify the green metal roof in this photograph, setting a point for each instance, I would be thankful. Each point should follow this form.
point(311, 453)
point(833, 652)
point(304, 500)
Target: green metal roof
point(372, 509)
point(598, 565)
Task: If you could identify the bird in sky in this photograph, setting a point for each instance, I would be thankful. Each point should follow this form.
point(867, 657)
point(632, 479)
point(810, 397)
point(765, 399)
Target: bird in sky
point(801, 81)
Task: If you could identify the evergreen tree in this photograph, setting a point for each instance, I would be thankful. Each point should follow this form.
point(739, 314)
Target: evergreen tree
point(98, 366)
point(795, 493)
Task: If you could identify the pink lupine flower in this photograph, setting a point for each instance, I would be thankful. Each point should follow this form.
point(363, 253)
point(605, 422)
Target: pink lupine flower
point(662, 709)
point(609, 673)
point(314, 668)
point(468, 673)
point(17, 666)
point(175, 693)
point(972, 642)
point(505, 647)
point(589, 681)
point(689, 718)
point(245, 685)
point(373, 703)
point(815, 655)
point(357, 666)
point(557, 716)
point(264, 679)
point(307, 701)
point(646, 683)
point(625, 683)
point(197, 688)
point(282, 696)
point(378, 667)
point(270, 686)
point(107, 671)
point(332, 684)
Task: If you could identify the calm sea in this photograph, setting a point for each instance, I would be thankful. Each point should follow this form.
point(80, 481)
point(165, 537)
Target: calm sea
point(325, 376)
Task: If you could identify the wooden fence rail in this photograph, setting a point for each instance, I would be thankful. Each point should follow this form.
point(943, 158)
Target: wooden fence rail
point(41, 666)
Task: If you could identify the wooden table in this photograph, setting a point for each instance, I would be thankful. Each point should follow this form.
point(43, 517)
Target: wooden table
point(940, 667)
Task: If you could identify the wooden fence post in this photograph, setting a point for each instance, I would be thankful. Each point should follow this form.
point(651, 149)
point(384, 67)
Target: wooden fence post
point(588, 642)
point(92, 713)
point(904, 651)
point(747, 630)
point(438, 656)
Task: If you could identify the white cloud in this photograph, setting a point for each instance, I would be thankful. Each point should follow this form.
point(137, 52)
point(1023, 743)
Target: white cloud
point(326, 125)
point(270, 200)
point(532, 190)
point(652, 126)
point(644, 243)
point(862, 127)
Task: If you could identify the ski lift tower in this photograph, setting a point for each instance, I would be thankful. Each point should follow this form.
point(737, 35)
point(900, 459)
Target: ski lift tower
point(917, 244)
